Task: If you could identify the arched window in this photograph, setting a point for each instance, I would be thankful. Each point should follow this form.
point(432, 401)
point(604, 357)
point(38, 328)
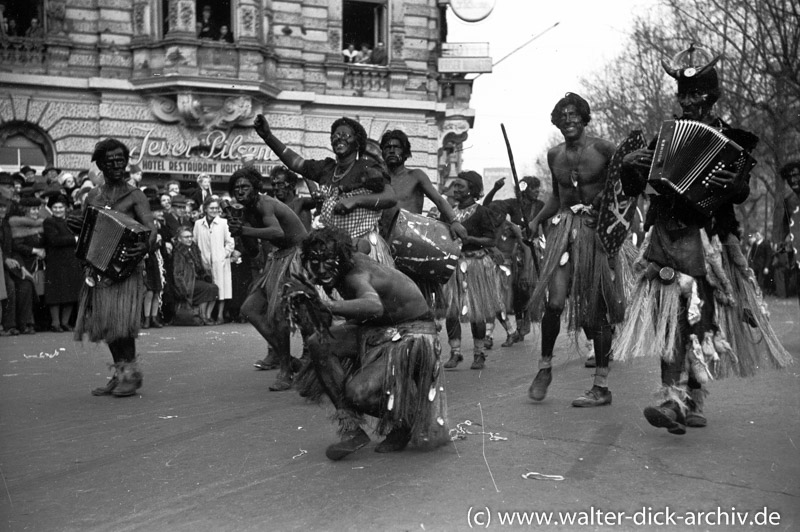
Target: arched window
point(23, 144)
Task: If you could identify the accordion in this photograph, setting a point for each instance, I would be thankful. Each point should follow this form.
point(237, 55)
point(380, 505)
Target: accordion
point(685, 157)
point(104, 234)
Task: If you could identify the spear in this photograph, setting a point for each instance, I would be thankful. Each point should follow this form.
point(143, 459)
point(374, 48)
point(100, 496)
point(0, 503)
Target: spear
point(517, 190)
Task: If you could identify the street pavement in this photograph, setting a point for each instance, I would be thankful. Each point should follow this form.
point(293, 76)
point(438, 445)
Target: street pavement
point(205, 446)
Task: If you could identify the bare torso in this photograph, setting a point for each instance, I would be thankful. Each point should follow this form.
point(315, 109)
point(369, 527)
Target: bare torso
point(579, 171)
point(407, 189)
point(269, 213)
point(401, 299)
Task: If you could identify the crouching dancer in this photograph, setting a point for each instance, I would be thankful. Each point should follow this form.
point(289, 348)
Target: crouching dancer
point(384, 361)
point(110, 310)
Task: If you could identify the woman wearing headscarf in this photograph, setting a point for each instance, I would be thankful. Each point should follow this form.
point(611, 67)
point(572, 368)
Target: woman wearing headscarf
point(64, 275)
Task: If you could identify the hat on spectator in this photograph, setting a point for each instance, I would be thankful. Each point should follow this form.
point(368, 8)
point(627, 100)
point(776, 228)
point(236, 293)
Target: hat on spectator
point(25, 169)
point(51, 168)
point(63, 177)
point(50, 190)
point(155, 203)
point(30, 201)
point(151, 192)
point(18, 178)
point(58, 198)
point(179, 200)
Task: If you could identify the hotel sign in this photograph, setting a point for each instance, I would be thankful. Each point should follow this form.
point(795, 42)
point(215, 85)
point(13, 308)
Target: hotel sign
point(215, 153)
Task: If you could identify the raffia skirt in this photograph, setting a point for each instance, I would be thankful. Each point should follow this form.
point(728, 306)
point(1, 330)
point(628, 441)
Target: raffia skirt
point(473, 294)
point(111, 311)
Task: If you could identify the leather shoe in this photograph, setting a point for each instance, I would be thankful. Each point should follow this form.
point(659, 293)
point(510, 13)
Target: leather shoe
point(351, 442)
point(668, 416)
point(455, 360)
point(538, 389)
point(597, 396)
point(395, 441)
point(282, 382)
point(512, 339)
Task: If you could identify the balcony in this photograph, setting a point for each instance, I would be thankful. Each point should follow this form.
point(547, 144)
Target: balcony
point(23, 54)
point(364, 79)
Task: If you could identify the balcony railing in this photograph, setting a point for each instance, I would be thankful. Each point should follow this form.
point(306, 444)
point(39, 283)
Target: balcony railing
point(366, 78)
point(22, 51)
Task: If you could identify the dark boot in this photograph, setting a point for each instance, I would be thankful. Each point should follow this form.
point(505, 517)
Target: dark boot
point(479, 361)
point(269, 362)
point(351, 442)
point(130, 379)
point(512, 339)
point(668, 415)
point(154, 321)
point(695, 417)
point(395, 441)
point(109, 387)
point(283, 381)
point(455, 359)
point(146, 322)
point(538, 388)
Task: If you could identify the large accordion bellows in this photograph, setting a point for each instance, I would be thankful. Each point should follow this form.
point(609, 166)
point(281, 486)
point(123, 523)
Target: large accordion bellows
point(105, 233)
point(687, 154)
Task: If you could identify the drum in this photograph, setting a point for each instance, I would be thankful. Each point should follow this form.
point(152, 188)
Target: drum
point(422, 247)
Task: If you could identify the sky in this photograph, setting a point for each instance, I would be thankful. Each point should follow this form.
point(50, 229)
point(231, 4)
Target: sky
point(522, 90)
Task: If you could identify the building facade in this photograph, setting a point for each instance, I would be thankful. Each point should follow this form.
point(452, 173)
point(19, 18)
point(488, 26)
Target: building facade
point(162, 77)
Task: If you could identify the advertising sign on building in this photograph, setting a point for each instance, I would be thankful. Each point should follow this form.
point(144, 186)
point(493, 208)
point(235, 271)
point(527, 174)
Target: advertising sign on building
point(216, 153)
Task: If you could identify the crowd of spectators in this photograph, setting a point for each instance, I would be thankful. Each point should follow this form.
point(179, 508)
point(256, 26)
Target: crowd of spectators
point(198, 268)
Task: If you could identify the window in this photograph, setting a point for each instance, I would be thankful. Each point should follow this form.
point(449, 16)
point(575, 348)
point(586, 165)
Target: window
point(18, 151)
point(213, 18)
point(19, 18)
point(364, 23)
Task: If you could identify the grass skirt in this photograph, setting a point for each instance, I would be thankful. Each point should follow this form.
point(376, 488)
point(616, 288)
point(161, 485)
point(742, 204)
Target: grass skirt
point(598, 282)
point(413, 384)
point(109, 312)
point(741, 336)
point(473, 294)
point(278, 265)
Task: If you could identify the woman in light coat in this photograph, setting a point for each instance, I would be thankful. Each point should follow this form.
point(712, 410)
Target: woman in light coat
point(216, 245)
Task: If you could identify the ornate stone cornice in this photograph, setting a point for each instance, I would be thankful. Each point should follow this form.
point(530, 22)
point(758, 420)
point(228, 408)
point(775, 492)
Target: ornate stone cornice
point(204, 111)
